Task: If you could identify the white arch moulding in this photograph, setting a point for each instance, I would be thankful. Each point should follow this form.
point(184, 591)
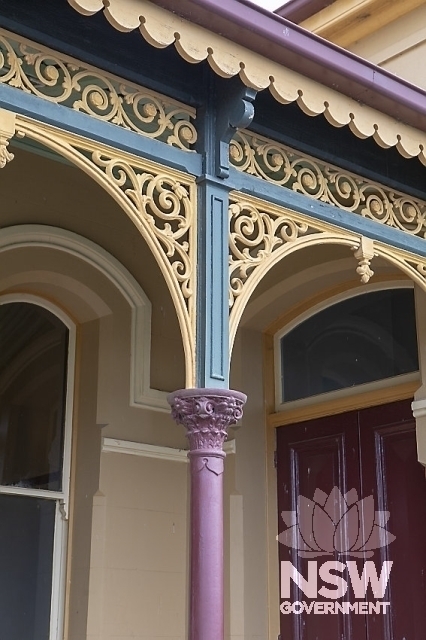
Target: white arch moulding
point(22, 236)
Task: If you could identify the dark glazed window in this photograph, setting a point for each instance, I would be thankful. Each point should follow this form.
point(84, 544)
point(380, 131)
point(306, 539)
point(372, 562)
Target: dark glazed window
point(367, 338)
point(26, 559)
point(33, 359)
point(33, 366)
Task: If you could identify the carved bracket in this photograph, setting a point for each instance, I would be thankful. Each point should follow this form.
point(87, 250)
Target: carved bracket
point(364, 253)
point(7, 131)
point(235, 111)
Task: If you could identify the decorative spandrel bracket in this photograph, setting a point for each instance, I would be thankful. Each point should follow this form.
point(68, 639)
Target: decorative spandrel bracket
point(160, 201)
point(7, 131)
point(364, 253)
point(235, 111)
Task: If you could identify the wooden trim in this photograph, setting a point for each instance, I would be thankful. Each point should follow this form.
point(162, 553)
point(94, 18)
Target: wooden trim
point(229, 56)
point(269, 373)
point(271, 490)
point(318, 409)
point(299, 10)
point(346, 21)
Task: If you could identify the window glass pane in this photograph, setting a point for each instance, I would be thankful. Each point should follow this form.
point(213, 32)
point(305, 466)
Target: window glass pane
point(33, 355)
point(364, 339)
point(26, 558)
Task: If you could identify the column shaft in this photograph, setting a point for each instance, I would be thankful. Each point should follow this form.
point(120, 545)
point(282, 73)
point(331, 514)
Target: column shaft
point(206, 604)
point(206, 414)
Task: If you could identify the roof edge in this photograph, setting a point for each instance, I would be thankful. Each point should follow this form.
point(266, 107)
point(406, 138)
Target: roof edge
point(244, 38)
point(299, 10)
point(296, 48)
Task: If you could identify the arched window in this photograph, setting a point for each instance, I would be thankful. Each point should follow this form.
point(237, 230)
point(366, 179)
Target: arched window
point(34, 469)
point(363, 339)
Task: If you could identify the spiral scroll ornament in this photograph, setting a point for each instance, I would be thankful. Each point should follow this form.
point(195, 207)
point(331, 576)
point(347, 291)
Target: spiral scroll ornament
point(254, 235)
point(41, 72)
point(166, 208)
point(160, 201)
point(304, 174)
point(263, 233)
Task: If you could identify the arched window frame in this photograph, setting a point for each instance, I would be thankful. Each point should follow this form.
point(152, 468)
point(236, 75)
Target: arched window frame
point(62, 498)
point(350, 391)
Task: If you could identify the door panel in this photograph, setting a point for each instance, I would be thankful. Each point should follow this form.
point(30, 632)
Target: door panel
point(391, 472)
point(374, 452)
point(320, 454)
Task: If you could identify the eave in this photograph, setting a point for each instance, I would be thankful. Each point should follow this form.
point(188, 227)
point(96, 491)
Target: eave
point(267, 51)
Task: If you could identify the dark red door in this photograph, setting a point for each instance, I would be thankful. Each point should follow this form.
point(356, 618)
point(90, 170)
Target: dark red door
point(372, 451)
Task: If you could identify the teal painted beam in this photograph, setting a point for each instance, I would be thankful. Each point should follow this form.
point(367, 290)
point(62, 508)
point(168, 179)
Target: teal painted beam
point(103, 132)
point(316, 209)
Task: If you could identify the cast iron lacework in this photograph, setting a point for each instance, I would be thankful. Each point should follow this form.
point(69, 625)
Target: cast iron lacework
point(47, 74)
point(256, 233)
point(284, 166)
point(165, 205)
point(261, 234)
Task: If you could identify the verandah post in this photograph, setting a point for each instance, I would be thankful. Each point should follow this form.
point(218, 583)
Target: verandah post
point(207, 411)
point(206, 414)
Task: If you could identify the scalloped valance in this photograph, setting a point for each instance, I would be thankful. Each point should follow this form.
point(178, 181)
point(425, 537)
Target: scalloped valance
point(194, 43)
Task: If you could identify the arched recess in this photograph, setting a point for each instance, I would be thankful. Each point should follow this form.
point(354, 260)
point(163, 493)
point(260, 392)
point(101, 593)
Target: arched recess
point(262, 234)
point(25, 236)
point(160, 201)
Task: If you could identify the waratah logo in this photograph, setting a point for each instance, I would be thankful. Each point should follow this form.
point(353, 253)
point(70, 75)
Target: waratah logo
point(335, 523)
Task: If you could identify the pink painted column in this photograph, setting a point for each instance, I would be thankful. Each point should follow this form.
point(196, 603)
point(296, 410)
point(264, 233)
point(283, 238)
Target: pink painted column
point(206, 414)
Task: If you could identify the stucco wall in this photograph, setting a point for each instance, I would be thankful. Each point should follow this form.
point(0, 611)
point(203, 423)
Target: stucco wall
point(139, 550)
point(248, 499)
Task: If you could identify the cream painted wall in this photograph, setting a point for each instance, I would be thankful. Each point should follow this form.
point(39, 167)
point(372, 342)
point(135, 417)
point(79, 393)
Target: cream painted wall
point(399, 47)
point(247, 499)
point(138, 580)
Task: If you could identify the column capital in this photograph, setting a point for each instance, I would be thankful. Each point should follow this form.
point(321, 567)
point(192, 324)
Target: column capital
point(206, 414)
